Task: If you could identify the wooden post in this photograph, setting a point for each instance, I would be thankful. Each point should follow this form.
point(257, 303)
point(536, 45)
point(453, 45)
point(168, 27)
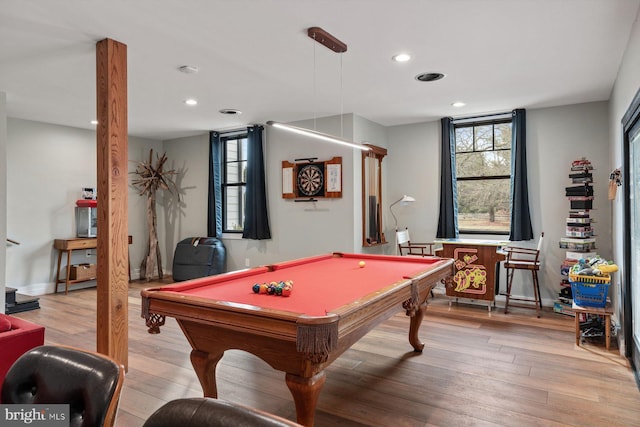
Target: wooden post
point(112, 146)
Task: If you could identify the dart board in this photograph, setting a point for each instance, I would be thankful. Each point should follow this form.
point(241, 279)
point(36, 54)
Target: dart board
point(310, 180)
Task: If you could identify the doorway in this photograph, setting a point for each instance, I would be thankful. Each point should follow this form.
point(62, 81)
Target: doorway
point(630, 287)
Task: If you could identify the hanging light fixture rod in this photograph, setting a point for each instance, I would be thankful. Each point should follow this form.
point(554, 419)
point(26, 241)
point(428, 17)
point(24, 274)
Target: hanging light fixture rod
point(326, 39)
point(318, 135)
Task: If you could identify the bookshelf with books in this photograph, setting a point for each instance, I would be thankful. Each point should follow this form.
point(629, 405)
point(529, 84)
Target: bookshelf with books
point(580, 238)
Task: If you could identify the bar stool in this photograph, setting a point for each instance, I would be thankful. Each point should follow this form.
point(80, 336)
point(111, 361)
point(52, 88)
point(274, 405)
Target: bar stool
point(519, 258)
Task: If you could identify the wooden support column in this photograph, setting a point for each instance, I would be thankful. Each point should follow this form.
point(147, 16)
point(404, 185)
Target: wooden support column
point(112, 146)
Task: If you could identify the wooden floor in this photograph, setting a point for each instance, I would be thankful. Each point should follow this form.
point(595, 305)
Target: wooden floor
point(476, 370)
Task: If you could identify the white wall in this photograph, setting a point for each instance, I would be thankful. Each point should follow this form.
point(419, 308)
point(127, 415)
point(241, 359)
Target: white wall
point(3, 200)
point(188, 216)
point(46, 167)
point(555, 137)
point(414, 169)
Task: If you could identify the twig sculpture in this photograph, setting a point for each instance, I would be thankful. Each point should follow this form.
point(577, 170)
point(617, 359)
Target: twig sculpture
point(150, 178)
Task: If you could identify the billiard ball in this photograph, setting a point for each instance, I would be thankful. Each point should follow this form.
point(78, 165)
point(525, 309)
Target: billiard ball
point(256, 288)
point(361, 264)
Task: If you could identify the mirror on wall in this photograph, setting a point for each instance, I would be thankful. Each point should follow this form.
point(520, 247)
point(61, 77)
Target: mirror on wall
point(372, 233)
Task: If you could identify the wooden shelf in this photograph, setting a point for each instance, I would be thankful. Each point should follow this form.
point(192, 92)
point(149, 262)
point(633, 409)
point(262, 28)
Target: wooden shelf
point(67, 246)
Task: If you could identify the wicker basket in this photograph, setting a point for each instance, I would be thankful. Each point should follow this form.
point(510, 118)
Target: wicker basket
point(590, 291)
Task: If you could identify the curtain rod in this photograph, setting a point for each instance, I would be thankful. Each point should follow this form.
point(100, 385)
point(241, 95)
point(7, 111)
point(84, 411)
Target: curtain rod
point(505, 115)
point(237, 130)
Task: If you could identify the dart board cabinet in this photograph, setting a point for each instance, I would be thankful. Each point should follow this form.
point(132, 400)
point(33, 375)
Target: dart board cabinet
point(308, 179)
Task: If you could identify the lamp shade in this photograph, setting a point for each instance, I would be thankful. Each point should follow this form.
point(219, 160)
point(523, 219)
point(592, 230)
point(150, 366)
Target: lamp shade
point(403, 200)
point(406, 198)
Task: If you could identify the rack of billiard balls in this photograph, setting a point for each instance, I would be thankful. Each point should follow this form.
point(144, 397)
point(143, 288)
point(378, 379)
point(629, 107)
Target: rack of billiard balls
point(282, 288)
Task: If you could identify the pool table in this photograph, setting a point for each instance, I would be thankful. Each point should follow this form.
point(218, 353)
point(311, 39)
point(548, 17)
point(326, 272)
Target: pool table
point(334, 302)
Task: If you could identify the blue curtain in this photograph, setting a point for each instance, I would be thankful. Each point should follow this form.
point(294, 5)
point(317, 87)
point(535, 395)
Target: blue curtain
point(214, 210)
point(256, 220)
point(520, 215)
point(448, 219)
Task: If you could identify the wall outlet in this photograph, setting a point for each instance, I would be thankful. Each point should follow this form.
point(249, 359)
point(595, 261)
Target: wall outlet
point(247, 262)
point(87, 253)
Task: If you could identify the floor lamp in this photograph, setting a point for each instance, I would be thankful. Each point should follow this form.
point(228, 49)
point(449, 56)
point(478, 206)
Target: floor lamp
point(403, 200)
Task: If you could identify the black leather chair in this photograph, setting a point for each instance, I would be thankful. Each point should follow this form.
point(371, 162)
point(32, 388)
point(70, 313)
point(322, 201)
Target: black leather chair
point(89, 382)
point(209, 412)
point(198, 257)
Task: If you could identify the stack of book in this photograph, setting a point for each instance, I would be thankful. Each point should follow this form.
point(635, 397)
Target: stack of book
point(581, 177)
point(581, 196)
point(579, 239)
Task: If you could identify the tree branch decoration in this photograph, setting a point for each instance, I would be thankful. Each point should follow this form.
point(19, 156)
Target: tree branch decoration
point(152, 177)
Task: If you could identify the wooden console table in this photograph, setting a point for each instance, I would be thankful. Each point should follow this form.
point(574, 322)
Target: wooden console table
point(69, 245)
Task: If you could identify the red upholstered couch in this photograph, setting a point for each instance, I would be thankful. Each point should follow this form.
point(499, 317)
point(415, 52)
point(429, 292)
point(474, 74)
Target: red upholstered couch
point(16, 341)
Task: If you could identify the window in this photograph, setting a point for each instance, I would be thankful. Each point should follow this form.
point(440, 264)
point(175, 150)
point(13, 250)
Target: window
point(237, 202)
point(483, 176)
point(234, 182)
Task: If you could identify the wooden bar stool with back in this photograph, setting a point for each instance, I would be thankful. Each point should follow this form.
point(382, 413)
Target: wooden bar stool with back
point(521, 258)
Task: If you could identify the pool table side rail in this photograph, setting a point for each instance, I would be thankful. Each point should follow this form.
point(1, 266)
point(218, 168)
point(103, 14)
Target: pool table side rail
point(403, 259)
point(211, 280)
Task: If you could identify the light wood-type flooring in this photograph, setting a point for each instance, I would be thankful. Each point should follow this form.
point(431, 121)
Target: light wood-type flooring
point(476, 370)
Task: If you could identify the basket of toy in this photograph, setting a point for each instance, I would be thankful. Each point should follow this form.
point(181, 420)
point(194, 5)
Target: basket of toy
point(590, 281)
point(590, 291)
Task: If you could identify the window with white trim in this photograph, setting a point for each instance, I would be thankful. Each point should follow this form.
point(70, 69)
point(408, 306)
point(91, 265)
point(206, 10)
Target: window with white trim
point(234, 182)
point(483, 176)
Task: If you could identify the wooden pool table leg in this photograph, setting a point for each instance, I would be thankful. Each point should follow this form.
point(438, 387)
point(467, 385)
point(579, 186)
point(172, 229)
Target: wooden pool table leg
point(414, 326)
point(305, 392)
point(205, 366)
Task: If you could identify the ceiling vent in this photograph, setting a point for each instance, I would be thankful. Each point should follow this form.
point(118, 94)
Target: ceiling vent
point(429, 77)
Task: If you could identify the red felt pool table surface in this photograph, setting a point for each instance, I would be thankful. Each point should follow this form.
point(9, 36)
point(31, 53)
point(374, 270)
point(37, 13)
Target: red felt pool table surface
point(320, 284)
point(333, 304)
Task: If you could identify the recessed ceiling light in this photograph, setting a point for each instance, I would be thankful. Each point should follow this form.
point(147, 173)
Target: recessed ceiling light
point(458, 104)
point(401, 57)
point(188, 69)
point(229, 111)
point(94, 122)
point(191, 102)
point(429, 77)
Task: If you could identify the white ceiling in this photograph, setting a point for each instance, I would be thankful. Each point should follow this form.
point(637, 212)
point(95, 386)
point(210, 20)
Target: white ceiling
point(255, 56)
